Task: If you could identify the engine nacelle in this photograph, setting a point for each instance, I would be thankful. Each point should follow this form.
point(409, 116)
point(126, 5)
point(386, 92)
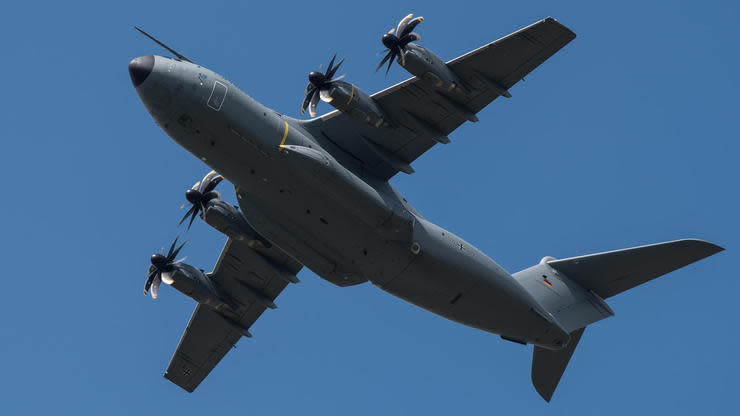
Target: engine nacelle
point(227, 219)
point(353, 101)
point(428, 66)
point(193, 283)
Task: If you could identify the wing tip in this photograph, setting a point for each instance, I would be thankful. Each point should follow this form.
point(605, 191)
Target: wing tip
point(187, 387)
point(552, 20)
point(707, 247)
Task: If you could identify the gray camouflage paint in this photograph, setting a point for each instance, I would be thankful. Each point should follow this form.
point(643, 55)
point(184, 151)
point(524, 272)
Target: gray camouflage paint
point(345, 226)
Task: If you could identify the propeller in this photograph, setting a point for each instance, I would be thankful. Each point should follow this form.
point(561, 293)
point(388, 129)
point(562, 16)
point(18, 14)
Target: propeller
point(199, 195)
point(161, 269)
point(318, 86)
point(396, 40)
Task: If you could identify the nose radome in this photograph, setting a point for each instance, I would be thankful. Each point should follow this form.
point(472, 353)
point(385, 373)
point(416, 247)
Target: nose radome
point(140, 68)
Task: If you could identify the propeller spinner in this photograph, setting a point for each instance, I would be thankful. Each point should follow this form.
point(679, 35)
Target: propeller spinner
point(396, 40)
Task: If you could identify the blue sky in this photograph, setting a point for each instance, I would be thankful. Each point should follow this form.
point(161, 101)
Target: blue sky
point(627, 136)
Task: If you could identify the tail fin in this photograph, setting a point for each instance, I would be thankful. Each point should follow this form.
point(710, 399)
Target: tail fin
point(573, 291)
point(548, 366)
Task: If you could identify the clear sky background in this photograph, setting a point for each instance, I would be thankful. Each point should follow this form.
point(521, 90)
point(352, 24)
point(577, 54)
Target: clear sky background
point(627, 136)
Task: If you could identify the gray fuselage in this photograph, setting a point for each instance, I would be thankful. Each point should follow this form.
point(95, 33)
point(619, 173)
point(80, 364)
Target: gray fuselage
point(346, 226)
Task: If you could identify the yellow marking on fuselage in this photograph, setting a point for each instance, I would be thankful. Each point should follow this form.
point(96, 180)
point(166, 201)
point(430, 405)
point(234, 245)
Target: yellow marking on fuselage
point(285, 136)
point(352, 94)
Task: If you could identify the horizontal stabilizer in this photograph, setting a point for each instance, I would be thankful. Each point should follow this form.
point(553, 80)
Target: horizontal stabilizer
point(548, 366)
point(573, 290)
point(613, 272)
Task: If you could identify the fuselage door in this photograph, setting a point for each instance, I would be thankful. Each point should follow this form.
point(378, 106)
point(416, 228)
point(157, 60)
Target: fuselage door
point(216, 100)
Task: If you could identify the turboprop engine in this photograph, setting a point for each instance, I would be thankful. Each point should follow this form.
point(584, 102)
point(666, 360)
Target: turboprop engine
point(219, 214)
point(187, 279)
point(342, 95)
point(416, 59)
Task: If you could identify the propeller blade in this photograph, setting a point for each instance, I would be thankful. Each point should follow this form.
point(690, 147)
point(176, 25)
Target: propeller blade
point(191, 211)
point(390, 62)
point(155, 285)
point(192, 217)
point(307, 99)
point(167, 278)
point(402, 25)
point(325, 96)
point(312, 107)
point(388, 55)
point(212, 184)
point(174, 254)
point(149, 280)
point(206, 181)
point(331, 64)
point(410, 37)
point(338, 78)
point(330, 74)
point(172, 247)
point(410, 26)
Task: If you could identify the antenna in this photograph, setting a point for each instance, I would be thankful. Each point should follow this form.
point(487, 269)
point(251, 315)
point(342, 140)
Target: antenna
point(179, 56)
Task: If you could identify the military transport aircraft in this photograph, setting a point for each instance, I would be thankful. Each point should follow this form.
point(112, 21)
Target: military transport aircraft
point(315, 193)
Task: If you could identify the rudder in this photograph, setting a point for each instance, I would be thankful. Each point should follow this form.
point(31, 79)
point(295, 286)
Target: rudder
point(548, 366)
point(573, 290)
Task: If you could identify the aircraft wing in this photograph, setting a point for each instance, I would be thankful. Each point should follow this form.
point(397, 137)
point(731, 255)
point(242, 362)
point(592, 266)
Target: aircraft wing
point(417, 108)
point(252, 278)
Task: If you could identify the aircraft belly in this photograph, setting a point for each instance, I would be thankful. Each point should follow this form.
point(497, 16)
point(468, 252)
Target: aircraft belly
point(297, 214)
point(453, 279)
point(325, 238)
point(344, 241)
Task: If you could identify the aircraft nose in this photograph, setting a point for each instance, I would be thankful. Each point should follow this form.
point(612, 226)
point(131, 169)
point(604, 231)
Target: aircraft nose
point(140, 68)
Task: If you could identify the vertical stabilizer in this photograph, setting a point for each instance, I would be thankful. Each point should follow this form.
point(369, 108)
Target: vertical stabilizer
point(548, 366)
point(573, 291)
